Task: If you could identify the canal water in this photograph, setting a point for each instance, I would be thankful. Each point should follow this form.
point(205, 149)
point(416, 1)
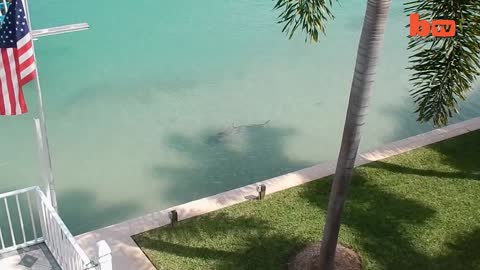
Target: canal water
point(163, 102)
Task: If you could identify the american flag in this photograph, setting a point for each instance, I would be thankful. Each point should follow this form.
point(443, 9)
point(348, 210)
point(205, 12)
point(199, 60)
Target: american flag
point(17, 65)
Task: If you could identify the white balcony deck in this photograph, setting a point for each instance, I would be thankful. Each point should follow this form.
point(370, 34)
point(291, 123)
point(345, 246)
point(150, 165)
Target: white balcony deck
point(36, 257)
point(33, 236)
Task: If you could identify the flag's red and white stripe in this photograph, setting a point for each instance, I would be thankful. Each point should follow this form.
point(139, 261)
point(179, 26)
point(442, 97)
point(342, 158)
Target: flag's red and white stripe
point(17, 67)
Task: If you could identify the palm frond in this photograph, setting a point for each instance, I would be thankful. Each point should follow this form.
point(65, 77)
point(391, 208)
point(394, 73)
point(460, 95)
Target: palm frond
point(444, 69)
point(310, 15)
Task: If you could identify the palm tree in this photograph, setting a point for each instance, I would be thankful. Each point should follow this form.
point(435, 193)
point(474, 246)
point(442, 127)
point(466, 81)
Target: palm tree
point(443, 69)
point(311, 15)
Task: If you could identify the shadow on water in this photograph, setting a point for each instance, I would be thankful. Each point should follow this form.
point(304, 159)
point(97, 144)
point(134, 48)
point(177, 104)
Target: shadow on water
point(218, 164)
point(81, 211)
point(470, 108)
point(403, 118)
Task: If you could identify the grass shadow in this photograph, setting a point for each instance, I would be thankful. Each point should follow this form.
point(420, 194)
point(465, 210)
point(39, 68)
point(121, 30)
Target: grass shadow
point(461, 152)
point(399, 169)
point(463, 248)
point(377, 221)
point(397, 206)
point(456, 158)
point(189, 246)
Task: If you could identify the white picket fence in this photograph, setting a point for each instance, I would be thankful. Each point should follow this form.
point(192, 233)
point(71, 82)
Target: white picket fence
point(31, 219)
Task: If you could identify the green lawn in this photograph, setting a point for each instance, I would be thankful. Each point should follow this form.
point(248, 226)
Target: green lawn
point(419, 210)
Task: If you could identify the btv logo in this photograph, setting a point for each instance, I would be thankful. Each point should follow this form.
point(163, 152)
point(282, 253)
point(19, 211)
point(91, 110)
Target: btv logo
point(440, 28)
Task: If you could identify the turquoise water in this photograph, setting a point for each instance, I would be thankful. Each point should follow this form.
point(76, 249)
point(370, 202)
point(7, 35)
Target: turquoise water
point(135, 104)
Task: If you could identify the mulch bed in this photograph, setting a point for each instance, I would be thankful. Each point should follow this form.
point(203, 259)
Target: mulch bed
point(345, 259)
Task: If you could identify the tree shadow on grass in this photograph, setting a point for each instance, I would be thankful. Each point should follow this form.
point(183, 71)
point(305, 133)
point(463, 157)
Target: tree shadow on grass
point(205, 240)
point(237, 159)
point(458, 159)
point(461, 152)
point(395, 168)
point(464, 248)
point(379, 220)
point(387, 229)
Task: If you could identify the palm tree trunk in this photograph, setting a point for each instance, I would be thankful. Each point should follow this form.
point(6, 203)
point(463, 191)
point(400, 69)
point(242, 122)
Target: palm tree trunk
point(367, 59)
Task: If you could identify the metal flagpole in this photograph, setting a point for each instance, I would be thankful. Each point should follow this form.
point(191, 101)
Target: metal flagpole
point(42, 128)
point(70, 28)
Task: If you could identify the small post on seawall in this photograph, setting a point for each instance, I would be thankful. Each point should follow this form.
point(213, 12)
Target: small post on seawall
point(173, 215)
point(262, 189)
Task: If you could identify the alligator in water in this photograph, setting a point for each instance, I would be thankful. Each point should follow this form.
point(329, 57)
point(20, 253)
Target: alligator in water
point(221, 136)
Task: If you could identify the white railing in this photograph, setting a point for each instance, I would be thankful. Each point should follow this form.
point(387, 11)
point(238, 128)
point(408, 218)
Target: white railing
point(29, 225)
point(12, 217)
point(59, 240)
